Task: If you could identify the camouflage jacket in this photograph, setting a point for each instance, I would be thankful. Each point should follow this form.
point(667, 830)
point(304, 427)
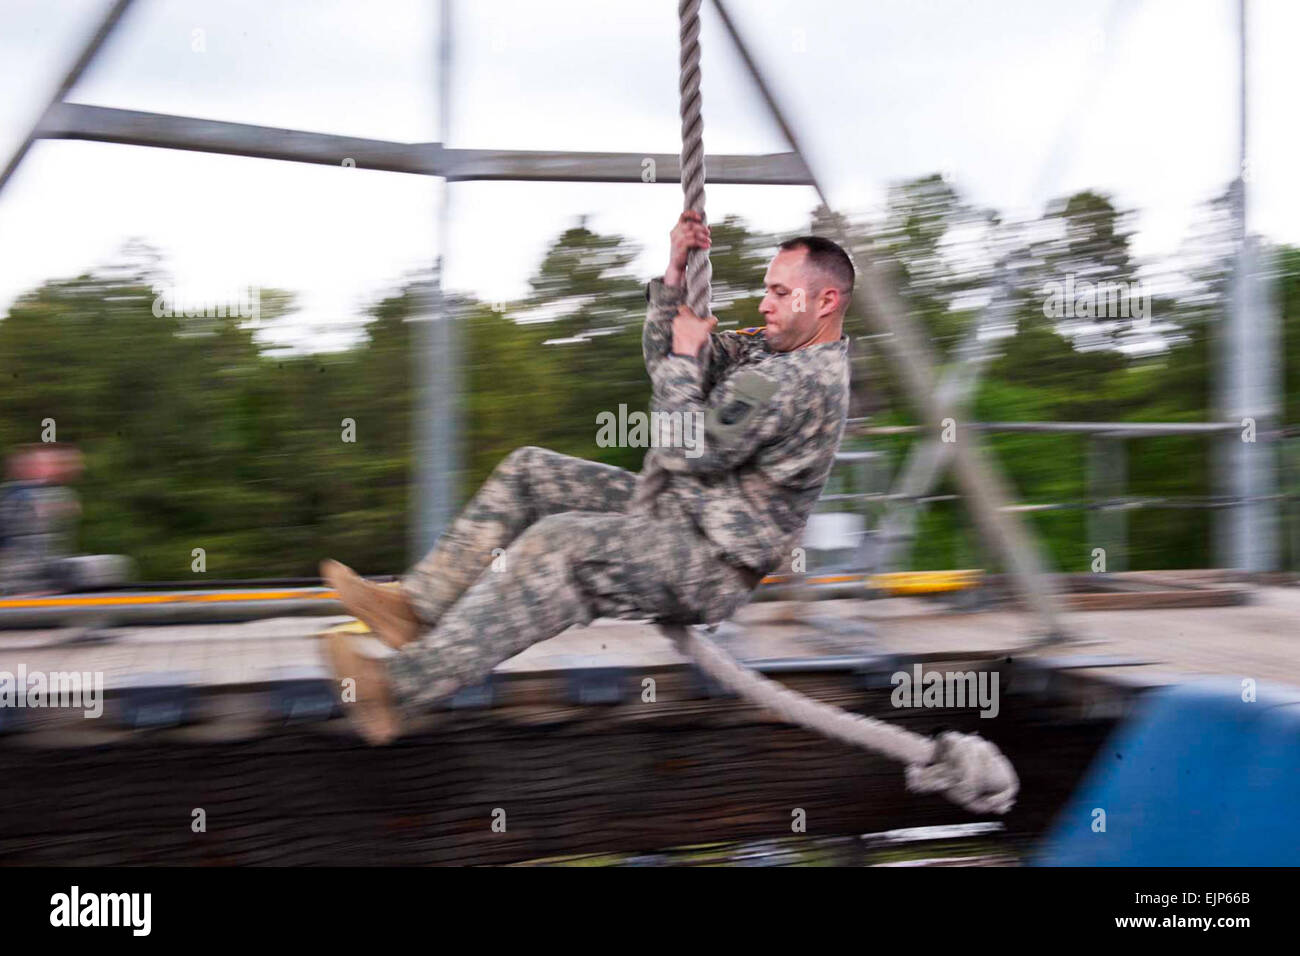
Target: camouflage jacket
point(37, 518)
point(772, 422)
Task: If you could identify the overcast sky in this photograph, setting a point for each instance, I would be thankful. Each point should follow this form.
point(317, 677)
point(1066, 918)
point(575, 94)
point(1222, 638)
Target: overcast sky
point(1018, 100)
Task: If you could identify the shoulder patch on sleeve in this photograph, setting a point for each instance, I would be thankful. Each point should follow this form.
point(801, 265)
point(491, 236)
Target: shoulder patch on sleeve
point(750, 390)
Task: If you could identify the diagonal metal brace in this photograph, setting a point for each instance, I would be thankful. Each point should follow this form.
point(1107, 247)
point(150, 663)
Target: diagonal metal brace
point(980, 482)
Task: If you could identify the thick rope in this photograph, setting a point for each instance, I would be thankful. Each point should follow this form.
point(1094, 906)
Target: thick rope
point(968, 769)
point(699, 270)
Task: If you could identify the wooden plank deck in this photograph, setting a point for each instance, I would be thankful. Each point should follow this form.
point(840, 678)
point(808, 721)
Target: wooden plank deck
point(624, 777)
point(1259, 639)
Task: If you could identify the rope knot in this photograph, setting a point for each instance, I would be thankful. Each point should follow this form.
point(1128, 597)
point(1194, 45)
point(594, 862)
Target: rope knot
point(969, 771)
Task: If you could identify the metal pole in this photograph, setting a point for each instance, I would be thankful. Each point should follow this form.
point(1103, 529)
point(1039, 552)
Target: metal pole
point(106, 26)
point(106, 124)
point(437, 358)
point(1235, 521)
point(1251, 386)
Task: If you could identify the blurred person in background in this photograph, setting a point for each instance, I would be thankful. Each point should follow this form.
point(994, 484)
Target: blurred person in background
point(38, 518)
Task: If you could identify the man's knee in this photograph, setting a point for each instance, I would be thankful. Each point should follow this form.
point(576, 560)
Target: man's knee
point(535, 462)
point(521, 459)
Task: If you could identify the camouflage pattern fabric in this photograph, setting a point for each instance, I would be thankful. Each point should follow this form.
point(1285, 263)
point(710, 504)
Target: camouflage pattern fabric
point(542, 546)
point(772, 424)
point(550, 541)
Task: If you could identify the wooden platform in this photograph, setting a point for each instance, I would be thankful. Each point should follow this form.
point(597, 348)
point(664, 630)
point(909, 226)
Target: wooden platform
point(562, 740)
point(1258, 635)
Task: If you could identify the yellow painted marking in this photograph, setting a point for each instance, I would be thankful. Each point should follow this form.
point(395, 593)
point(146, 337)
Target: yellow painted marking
point(900, 582)
point(896, 582)
point(925, 582)
point(132, 600)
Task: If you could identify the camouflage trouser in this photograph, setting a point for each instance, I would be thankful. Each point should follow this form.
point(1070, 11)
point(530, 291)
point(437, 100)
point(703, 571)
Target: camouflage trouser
point(543, 545)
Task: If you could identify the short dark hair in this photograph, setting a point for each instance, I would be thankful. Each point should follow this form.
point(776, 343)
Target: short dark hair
point(827, 256)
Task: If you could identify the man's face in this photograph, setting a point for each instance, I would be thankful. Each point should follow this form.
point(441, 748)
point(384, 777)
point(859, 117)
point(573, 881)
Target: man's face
point(42, 465)
point(793, 301)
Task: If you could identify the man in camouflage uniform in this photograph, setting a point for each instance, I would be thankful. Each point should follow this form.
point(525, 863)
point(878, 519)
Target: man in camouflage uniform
point(550, 540)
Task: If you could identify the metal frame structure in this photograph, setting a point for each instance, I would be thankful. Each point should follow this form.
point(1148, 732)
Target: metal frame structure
point(1105, 500)
point(1249, 383)
point(103, 124)
point(437, 363)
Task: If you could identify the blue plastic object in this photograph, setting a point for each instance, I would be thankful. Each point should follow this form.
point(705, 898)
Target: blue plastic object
point(1196, 777)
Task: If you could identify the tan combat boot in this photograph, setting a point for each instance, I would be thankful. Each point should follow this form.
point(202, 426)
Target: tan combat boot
point(382, 609)
point(372, 711)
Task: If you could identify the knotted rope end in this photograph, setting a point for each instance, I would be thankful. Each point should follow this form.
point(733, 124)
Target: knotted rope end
point(970, 771)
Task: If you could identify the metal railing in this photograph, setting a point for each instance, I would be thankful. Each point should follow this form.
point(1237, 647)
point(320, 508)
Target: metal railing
point(1105, 500)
